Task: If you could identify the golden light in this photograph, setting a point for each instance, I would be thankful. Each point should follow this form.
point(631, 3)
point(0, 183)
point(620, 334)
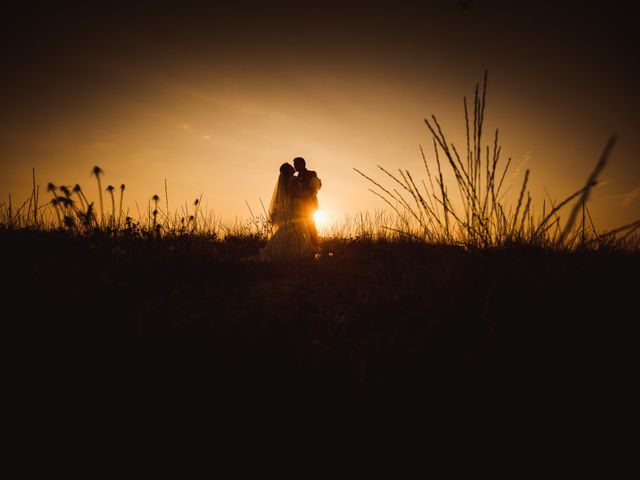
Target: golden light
point(320, 218)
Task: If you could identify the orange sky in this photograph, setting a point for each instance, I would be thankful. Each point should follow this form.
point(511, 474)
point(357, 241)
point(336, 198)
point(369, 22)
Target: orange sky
point(216, 106)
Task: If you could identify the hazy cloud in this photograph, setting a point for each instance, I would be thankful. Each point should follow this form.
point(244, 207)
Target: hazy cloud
point(627, 199)
point(630, 198)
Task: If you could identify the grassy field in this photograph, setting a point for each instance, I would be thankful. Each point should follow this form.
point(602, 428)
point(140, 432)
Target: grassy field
point(404, 305)
point(366, 316)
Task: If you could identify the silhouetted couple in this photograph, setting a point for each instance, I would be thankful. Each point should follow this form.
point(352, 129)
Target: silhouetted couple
point(294, 201)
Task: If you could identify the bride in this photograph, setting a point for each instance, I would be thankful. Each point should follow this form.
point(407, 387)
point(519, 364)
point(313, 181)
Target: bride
point(290, 234)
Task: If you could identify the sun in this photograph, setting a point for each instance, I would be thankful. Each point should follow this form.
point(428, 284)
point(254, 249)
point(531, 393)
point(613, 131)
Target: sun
point(320, 218)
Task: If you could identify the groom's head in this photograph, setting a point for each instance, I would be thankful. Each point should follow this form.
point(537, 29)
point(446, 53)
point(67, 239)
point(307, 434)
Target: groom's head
point(299, 164)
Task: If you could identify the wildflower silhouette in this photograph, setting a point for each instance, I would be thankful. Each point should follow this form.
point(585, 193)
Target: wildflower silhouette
point(97, 171)
point(110, 189)
point(120, 209)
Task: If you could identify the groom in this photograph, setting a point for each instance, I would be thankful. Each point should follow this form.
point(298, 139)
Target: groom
point(310, 186)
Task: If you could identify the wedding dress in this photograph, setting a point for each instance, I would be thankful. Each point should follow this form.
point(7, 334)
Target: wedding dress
point(290, 235)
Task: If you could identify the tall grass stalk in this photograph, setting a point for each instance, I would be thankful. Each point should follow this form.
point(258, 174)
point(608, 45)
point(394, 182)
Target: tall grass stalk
point(483, 217)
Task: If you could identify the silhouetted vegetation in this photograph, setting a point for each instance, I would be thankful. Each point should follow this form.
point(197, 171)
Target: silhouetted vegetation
point(401, 303)
point(484, 218)
point(376, 316)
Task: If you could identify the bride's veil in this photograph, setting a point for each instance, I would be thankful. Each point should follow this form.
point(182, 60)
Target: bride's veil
point(280, 207)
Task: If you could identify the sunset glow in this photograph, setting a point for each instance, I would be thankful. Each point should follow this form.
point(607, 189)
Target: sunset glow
point(214, 100)
point(282, 205)
point(321, 219)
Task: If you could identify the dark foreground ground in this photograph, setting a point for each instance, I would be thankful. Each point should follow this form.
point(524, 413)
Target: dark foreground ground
point(113, 319)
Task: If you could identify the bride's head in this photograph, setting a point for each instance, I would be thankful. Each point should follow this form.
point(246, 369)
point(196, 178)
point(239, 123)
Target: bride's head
point(287, 170)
